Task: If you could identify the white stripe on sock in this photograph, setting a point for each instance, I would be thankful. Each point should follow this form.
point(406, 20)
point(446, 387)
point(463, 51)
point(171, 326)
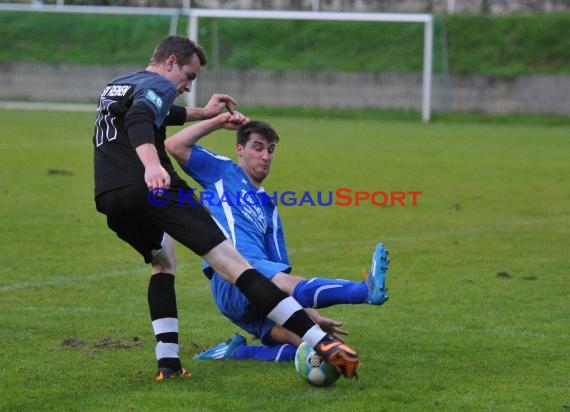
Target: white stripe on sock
point(284, 310)
point(314, 335)
point(166, 350)
point(165, 325)
point(321, 289)
point(280, 352)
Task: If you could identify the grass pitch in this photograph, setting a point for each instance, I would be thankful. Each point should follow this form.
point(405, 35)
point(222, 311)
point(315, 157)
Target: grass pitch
point(479, 280)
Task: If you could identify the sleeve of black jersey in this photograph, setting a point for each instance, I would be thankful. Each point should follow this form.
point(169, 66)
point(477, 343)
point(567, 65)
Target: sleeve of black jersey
point(139, 123)
point(176, 116)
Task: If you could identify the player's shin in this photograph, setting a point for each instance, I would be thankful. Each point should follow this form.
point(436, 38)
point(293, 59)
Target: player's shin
point(272, 302)
point(322, 293)
point(164, 316)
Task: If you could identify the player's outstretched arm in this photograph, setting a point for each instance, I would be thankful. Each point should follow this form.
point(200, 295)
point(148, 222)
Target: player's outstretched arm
point(180, 144)
point(216, 105)
point(155, 176)
point(331, 326)
point(281, 335)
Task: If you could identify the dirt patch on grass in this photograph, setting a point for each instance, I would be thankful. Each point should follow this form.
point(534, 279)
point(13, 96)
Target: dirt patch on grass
point(104, 343)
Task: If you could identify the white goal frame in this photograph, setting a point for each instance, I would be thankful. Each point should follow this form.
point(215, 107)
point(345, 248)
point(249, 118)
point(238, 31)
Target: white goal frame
point(195, 14)
point(427, 20)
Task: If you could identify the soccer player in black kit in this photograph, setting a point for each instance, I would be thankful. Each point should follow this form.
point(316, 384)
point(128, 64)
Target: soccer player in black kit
point(132, 168)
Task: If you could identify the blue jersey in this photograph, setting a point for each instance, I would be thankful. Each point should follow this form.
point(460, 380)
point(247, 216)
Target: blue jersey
point(250, 219)
point(247, 215)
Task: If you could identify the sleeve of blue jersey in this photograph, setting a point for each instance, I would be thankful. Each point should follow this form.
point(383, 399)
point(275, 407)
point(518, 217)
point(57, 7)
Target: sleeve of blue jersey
point(206, 167)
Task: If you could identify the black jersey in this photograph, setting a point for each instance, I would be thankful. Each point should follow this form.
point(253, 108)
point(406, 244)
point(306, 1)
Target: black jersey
point(149, 97)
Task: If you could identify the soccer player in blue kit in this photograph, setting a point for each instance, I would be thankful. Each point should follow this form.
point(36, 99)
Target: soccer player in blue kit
point(235, 196)
point(131, 163)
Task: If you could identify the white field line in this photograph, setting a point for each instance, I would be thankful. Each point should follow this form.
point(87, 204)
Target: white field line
point(450, 329)
point(429, 236)
point(65, 280)
point(137, 271)
point(58, 107)
point(496, 331)
point(69, 309)
point(310, 249)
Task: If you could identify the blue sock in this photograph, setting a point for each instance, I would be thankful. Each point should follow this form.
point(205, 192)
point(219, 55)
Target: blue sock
point(276, 353)
point(321, 293)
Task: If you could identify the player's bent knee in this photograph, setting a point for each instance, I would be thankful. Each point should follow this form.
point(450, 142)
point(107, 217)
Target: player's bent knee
point(286, 282)
point(164, 259)
point(227, 261)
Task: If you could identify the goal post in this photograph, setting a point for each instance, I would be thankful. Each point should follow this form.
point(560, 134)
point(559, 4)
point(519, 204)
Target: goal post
point(426, 19)
point(374, 87)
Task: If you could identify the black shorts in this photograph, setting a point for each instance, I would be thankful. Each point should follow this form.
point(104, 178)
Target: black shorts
point(136, 219)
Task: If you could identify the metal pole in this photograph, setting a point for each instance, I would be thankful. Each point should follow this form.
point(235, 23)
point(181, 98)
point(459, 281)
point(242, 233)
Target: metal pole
point(173, 25)
point(427, 73)
point(193, 34)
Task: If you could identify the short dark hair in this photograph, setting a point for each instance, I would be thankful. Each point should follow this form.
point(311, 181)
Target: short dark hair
point(256, 126)
point(181, 47)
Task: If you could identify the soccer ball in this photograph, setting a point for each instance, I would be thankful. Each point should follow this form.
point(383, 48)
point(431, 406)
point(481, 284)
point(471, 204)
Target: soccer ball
point(311, 368)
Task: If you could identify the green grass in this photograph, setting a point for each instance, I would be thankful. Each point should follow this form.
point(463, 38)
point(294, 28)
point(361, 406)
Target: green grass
point(504, 46)
point(80, 38)
point(454, 336)
point(408, 116)
point(509, 45)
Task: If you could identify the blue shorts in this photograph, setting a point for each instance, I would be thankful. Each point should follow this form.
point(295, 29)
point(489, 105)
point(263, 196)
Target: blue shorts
point(234, 305)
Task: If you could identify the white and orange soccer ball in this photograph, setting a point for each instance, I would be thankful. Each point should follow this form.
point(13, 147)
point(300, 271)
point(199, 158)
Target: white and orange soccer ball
point(312, 369)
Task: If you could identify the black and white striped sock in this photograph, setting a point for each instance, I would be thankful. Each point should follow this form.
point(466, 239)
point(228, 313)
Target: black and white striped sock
point(164, 317)
point(281, 308)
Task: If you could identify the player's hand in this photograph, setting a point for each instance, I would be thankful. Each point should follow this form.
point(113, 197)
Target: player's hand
point(216, 105)
point(331, 326)
point(231, 121)
point(156, 177)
